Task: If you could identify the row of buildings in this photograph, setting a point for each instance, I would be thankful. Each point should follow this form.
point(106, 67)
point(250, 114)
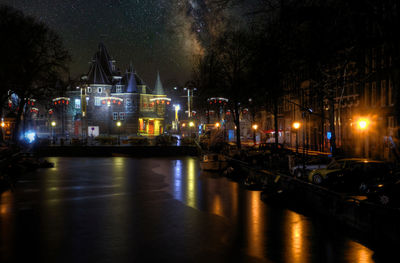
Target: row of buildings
point(361, 105)
point(105, 102)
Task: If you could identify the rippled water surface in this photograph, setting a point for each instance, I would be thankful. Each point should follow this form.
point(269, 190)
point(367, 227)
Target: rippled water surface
point(124, 209)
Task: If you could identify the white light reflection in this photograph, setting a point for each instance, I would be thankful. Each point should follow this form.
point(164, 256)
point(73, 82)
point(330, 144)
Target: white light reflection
point(177, 177)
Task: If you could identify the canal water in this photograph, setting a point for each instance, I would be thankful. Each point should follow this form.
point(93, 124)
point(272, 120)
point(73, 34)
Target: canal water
point(124, 209)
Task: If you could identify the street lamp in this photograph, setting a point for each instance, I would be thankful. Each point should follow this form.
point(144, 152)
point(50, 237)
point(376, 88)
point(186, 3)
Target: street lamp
point(177, 108)
point(255, 127)
point(363, 125)
point(296, 126)
point(217, 124)
point(53, 125)
point(119, 131)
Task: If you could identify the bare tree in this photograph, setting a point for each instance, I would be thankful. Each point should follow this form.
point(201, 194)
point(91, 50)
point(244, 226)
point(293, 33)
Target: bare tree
point(34, 55)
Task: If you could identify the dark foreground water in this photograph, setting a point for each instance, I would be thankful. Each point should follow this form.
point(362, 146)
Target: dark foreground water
point(157, 210)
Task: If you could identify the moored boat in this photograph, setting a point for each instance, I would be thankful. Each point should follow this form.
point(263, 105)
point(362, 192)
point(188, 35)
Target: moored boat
point(213, 162)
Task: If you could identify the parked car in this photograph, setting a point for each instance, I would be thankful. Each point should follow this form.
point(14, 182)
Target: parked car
point(302, 170)
point(351, 173)
point(386, 194)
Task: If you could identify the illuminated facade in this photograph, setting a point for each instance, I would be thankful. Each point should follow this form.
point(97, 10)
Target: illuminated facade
point(104, 97)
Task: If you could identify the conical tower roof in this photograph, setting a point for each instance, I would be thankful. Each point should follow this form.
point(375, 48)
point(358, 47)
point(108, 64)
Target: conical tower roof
point(130, 79)
point(105, 59)
point(158, 90)
point(96, 74)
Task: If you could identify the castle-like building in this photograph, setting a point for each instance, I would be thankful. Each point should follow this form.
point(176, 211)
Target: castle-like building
point(106, 101)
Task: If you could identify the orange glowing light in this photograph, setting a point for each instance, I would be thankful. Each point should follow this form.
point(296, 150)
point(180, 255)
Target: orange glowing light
point(363, 123)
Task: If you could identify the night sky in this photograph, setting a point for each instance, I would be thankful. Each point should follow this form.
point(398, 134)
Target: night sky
point(161, 35)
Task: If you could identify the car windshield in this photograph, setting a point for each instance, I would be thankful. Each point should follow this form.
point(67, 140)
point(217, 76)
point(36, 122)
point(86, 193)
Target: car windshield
point(335, 164)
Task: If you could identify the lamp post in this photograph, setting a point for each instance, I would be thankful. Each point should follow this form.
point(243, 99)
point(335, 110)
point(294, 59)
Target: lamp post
point(53, 125)
point(255, 127)
point(177, 108)
point(296, 126)
point(191, 125)
point(362, 125)
point(119, 131)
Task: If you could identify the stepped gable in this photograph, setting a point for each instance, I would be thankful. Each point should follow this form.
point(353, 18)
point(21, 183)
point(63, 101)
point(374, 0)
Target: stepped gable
point(158, 90)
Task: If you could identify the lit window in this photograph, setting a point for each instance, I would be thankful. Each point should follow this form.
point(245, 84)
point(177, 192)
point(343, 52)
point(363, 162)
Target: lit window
point(77, 103)
point(97, 101)
point(122, 116)
point(115, 116)
point(99, 90)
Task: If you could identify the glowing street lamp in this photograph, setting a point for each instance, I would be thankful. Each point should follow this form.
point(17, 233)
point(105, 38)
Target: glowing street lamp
point(191, 124)
point(363, 123)
point(217, 124)
point(177, 108)
point(296, 126)
point(3, 124)
point(255, 127)
point(53, 125)
point(119, 131)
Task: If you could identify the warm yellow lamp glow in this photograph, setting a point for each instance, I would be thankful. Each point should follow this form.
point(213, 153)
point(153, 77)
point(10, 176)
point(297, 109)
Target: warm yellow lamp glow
point(363, 123)
point(53, 123)
point(296, 125)
point(255, 126)
point(191, 124)
point(217, 124)
point(119, 124)
point(3, 124)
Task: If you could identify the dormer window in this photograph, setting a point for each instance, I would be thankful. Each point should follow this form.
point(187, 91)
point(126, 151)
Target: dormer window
point(119, 89)
point(89, 90)
point(100, 90)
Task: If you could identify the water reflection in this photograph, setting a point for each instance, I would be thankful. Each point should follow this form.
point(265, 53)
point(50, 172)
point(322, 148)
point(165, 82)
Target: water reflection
point(269, 233)
point(249, 226)
point(255, 226)
point(297, 242)
point(191, 182)
point(217, 205)
point(177, 177)
point(358, 253)
point(6, 224)
point(185, 184)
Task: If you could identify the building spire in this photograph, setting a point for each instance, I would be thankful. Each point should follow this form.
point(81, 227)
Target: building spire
point(158, 90)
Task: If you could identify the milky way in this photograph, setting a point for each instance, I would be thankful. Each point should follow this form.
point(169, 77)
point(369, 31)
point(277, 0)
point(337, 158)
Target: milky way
point(161, 35)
